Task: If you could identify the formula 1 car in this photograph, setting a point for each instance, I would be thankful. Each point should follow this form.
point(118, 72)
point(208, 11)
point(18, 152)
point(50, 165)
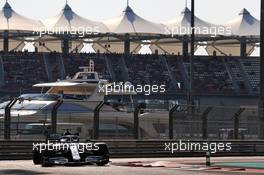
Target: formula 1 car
point(67, 150)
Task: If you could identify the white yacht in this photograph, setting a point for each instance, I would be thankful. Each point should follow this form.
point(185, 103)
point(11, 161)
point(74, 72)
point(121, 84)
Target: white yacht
point(79, 95)
point(85, 89)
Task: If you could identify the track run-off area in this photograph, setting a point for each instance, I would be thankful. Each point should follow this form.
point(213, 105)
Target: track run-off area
point(143, 166)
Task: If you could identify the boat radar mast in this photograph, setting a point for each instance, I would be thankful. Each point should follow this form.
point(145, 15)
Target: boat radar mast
point(88, 69)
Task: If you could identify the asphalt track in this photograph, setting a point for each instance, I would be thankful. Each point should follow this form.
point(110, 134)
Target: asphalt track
point(157, 166)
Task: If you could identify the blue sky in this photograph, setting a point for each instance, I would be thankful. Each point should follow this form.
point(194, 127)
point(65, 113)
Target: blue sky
point(215, 11)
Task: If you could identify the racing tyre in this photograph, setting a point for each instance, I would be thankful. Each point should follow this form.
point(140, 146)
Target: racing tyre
point(45, 163)
point(102, 163)
point(36, 158)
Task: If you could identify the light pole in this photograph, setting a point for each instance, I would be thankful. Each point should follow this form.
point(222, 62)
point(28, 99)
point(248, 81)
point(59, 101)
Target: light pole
point(261, 87)
point(191, 76)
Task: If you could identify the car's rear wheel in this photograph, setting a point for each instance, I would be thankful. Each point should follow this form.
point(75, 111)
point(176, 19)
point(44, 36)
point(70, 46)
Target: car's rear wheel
point(36, 158)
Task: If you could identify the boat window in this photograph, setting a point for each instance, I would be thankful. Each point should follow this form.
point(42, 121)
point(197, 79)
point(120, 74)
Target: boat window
point(75, 97)
point(28, 106)
point(68, 108)
point(43, 97)
point(86, 76)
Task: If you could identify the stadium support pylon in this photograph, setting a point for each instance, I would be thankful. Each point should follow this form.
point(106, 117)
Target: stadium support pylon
point(185, 46)
point(243, 47)
point(6, 41)
point(127, 45)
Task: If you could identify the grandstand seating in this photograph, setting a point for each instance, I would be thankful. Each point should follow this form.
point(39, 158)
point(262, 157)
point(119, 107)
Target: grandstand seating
point(236, 72)
point(212, 74)
point(252, 69)
point(54, 66)
point(118, 67)
point(22, 70)
point(147, 69)
point(177, 72)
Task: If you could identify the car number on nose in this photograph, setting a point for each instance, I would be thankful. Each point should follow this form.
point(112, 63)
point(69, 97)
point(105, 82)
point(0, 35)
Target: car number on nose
point(75, 152)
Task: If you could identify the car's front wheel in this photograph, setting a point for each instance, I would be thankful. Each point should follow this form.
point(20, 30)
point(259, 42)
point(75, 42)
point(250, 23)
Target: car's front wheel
point(45, 163)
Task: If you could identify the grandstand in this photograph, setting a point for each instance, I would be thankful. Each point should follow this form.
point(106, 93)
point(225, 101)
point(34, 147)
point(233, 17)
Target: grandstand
point(213, 75)
point(227, 69)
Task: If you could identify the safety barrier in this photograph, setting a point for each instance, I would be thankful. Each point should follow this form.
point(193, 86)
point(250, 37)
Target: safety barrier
point(20, 150)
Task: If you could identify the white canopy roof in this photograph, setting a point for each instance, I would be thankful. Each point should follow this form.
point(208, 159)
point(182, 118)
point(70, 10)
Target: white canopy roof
point(68, 20)
point(10, 20)
point(182, 24)
point(130, 22)
point(244, 25)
